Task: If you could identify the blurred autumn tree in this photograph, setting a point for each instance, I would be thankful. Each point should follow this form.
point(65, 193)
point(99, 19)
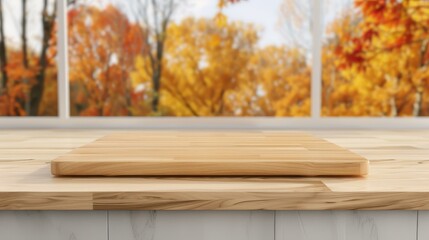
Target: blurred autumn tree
point(272, 81)
point(146, 64)
point(141, 62)
point(103, 44)
point(154, 17)
point(276, 83)
point(375, 60)
point(28, 73)
point(196, 81)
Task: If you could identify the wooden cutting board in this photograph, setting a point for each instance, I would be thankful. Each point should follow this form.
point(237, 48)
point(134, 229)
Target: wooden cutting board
point(209, 153)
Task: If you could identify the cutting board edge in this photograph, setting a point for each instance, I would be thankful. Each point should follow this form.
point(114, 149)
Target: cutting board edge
point(67, 168)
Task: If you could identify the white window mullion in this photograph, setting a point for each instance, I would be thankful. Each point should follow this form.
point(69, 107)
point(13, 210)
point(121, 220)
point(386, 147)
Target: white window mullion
point(316, 79)
point(63, 80)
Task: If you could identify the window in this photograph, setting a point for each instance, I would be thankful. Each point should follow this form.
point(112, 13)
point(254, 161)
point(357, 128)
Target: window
point(215, 63)
point(28, 69)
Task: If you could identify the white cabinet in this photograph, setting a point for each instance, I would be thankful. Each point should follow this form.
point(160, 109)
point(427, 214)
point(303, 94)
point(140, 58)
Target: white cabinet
point(191, 225)
point(53, 225)
point(214, 225)
point(346, 225)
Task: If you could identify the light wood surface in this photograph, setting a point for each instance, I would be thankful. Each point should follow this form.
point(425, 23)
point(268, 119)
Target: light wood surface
point(398, 178)
point(210, 153)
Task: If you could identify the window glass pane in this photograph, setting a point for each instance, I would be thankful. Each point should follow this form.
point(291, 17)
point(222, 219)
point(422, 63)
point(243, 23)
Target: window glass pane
point(189, 58)
point(375, 58)
point(28, 69)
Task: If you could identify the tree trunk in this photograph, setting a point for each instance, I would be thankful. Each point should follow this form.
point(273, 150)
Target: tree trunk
point(3, 53)
point(37, 89)
point(418, 99)
point(417, 106)
point(393, 108)
point(156, 82)
point(25, 52)
point(160, 13)
point(157, 71)
point(392, 99)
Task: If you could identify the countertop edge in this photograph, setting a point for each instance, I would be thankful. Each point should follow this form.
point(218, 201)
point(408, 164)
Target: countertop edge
point(184, 200)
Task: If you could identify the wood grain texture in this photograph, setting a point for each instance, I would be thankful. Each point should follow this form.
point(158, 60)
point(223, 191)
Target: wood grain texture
point(209, 153)
point(398, 179)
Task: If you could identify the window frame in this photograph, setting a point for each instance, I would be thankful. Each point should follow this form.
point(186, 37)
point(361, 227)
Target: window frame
point(314, 121)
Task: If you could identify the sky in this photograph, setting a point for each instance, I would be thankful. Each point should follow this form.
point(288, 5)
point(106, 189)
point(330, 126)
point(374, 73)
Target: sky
point(258, 12)
point(12, 17)
point(334, 9)
point(262, 13)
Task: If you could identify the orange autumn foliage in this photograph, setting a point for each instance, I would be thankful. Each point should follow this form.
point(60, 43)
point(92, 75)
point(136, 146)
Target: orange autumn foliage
point(208, 70)
point(375, 62)
point(21, 79)
point(103, 44)
point(28, 78)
